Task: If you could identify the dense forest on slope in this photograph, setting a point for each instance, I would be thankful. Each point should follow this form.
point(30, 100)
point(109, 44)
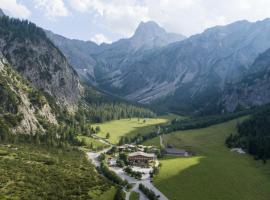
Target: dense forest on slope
point(254, 135)
point(99, 107)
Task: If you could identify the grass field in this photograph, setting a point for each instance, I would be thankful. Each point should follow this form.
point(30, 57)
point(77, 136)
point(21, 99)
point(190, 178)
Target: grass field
point(128, 127)
point(91, 141)
point(214, 173)
point(134, 196)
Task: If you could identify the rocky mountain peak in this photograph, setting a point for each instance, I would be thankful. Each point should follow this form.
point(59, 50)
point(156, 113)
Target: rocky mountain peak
point(149, 29)
point(1, 13)
point(150, 35)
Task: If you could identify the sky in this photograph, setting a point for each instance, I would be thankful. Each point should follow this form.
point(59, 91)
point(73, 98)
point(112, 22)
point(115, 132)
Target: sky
point(110, 20)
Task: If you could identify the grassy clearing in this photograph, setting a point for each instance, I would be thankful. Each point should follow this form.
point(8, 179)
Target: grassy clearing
point(214, 173)
point(128, 127)
point(91, 142)
point(97, 194)
point(33, 173)
point(134, 196)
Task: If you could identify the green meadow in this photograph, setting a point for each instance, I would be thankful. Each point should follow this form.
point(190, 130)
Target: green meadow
point(128, 127)
point(92, 142)
point(214, 173)
point(134, 196)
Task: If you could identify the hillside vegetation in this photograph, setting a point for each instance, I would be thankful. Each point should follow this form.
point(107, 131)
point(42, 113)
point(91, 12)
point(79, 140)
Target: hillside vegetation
point(253, 135)
point(214, 172)
point(31, 172)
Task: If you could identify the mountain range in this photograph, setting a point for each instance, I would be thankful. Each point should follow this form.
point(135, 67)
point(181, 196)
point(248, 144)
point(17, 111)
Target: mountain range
point(171, 71)
point(222, 69)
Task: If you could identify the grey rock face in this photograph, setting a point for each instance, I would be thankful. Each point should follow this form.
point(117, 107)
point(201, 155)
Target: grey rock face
point(192, 73)
point(189, 75)
point(77, 53)
point(253, 89)
point(1, 13)
point(95, 63)
point(38, 60)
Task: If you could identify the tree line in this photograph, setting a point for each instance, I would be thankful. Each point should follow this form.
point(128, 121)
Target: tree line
point(253, 135)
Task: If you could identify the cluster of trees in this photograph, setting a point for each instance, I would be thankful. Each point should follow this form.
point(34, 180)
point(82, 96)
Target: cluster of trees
point(102, 107)
point(137, 175)
point(120, 194)
point(55, 136)
point(149, 193)
point(113, 111)
point(254, 135)
point(201, 122)
point(155, 171)
point(20, 29)
point(104, 169)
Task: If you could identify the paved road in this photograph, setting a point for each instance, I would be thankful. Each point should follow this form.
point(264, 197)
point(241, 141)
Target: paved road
point(93, 156)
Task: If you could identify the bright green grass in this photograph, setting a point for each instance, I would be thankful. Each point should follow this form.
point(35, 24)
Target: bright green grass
point(134, 196)
point(98, 195)
point(89, 140)
point(215, 173)
point(128, 127)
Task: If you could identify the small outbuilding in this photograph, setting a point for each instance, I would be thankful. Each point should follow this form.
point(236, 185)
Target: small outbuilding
point(177, 152)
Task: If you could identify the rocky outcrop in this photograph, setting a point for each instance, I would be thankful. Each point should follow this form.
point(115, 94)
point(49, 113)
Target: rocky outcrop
point(191, 74)
point(1, 13)
point(22, 114)
point(31, 53)
point(252, 90)
point(77, 53)
point(95, 63)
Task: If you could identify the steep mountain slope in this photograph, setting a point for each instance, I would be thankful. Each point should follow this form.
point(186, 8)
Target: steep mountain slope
point(21, 106)
point(77, 53)
point(1, 13)
point(253, 89)
point(191, 74)
point(53, 80)
point(99, 62)
point(31, 53)
point(148, 35)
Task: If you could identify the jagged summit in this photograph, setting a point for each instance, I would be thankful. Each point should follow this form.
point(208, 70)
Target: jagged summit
point(149, 28)
point(150, 35)
point(1, 13)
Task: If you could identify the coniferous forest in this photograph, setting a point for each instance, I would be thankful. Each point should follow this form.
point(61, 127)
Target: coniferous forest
point(253, 135)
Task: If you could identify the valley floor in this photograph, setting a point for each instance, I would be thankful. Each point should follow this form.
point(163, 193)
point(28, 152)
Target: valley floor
point(214, 173)
point(129, 127)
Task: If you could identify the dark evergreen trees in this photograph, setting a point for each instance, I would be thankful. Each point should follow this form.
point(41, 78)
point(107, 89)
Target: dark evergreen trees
point(254, 135)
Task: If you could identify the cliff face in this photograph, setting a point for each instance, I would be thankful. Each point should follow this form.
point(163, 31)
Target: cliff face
point(94, 63)
point(31, 53)
point(253, 89)
point(21, 106)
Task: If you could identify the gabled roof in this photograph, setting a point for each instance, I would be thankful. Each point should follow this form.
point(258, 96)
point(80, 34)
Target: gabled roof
point(150, 155)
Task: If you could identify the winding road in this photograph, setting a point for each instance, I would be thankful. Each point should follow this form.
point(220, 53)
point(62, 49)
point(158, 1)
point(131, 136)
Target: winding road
point(93, 156)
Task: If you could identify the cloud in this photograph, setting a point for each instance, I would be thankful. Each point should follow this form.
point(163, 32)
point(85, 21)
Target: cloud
point(15, 8)
point(118, 16)
point(100, 38)
point(186, 16)
point(193, 16)
point(52, 8)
